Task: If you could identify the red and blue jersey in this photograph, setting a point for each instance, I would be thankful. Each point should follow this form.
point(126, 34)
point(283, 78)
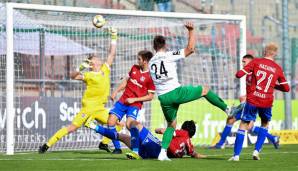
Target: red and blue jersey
point(180, 145)
point(264, 75)
point(138, 85)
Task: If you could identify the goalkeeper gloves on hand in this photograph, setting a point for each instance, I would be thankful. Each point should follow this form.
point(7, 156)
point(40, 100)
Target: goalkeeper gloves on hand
point(113, 32)
point(84, 65)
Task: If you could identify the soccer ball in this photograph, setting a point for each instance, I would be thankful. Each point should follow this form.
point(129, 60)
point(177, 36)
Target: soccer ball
point(98, 21)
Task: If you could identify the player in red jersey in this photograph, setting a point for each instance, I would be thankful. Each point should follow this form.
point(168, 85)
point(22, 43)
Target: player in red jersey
point(150, 145)
point(181, 144)
point(237, 114)
point(265, 75)
point(138, 87)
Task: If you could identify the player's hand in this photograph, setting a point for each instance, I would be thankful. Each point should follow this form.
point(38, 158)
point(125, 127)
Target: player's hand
point(84, 65)
point(113, 96)
point(130, 100)
point(160, 130)
point(242, 99)
point(114, 33)
point(199, 156)
point(189, 25)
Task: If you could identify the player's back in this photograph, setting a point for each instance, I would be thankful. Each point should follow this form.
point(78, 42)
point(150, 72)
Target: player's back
point(180, 145)
point(163, 70)
point(265, 73)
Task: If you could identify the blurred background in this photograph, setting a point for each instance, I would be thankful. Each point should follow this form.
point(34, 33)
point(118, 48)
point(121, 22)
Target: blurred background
point(264, 19)
point(58, 41)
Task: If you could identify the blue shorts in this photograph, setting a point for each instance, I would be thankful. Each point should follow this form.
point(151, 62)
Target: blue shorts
point(150, 146)
point(250, 113)
point(240, 111)
point(121, 109)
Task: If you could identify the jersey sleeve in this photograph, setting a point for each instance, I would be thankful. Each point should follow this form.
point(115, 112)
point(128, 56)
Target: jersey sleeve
point(189, 147)
point(150, 85)
point(283, 84)
point(246, 70)
point(86, 76)
point(130, 71)
point(175, 55)
point(106, 68)
point(181, 133)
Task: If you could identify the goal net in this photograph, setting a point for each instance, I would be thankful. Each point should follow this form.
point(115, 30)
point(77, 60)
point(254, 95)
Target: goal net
point(49, 42)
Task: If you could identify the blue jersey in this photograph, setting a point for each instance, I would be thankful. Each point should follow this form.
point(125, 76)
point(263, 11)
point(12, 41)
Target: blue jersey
point(150, 146)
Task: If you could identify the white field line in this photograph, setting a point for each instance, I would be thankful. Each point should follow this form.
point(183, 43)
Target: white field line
point(98, 159)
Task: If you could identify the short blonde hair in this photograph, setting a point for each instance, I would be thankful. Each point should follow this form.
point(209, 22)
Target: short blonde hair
point(271, 48)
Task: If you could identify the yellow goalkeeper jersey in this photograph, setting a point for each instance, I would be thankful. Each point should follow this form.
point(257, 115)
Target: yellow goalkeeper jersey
point(97, 88)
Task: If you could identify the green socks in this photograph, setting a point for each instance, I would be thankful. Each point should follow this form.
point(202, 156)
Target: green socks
point(167, 137)
point(215, 100)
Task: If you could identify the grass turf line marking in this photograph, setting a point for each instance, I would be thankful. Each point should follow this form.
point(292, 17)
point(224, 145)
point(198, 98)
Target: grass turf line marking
point(92, 159)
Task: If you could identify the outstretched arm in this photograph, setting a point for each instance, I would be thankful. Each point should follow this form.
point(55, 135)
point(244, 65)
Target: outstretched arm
point(191, 39)
point(148, 97)
point(247, 69)
point(198, 155)
point(112, 52)
point(282, 85)
point(160, 130)
point(76, 75)
point(121, 87)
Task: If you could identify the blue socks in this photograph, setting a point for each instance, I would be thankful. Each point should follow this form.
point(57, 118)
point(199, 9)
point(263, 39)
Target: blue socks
point(261, 138)
point(239, 142)
point(134, 141)
point(106, 132)
point(225, 133)
point(255, 129)
point(270, 137)
point(115, 142)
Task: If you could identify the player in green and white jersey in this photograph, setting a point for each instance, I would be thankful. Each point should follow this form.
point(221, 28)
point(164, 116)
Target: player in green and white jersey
point(163, 70)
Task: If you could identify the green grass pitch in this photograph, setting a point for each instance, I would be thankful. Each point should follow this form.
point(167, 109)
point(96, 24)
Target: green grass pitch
point(286, 158)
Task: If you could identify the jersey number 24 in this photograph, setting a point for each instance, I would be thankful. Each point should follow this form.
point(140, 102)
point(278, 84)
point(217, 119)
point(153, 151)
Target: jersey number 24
point(162, 70)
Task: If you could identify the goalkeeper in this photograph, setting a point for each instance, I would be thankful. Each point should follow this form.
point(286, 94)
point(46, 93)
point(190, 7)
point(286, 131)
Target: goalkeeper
point(95, 96)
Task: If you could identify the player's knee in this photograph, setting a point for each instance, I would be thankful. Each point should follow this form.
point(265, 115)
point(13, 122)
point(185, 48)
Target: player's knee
point(128, 124)
point(172, 124)
point(205, 90)
point(71, 128)
point(112, 120)
point(264, 123)
point(231, 120)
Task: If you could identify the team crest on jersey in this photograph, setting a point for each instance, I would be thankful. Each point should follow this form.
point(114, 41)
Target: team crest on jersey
point(142, 78)
point(83, 115)
point(176, 53)
point(134, 72)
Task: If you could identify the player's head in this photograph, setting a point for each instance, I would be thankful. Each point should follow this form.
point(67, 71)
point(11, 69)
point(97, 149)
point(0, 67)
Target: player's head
point(246, 59)
point(271, 50)
point(190, 127)
point(159, 42)
point(95, 62)
point(144, 57)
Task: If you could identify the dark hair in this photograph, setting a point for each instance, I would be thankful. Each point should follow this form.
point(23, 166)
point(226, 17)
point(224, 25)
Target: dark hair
point(159, 42)
point(190, 127)
point(146, 55)
point(248, 56)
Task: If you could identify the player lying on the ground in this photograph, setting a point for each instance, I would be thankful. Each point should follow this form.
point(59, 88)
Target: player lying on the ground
point(149, 145)
point(238, 113)
point(138, 87)
point(267, 75)
point(95, 96)
point(163, 70)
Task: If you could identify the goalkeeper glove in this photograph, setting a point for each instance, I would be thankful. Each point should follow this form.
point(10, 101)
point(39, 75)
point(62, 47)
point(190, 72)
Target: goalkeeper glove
point(84, 65)
point(114, 35)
